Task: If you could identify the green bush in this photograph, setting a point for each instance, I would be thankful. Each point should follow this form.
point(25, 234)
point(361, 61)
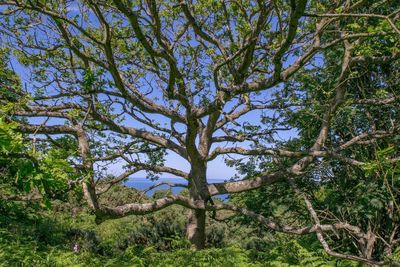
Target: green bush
point(230, 256)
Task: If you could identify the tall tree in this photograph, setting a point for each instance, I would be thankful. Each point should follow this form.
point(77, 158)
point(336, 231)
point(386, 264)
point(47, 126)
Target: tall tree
point(132, 81)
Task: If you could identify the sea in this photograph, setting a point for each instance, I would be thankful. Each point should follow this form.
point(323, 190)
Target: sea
point(144, 183)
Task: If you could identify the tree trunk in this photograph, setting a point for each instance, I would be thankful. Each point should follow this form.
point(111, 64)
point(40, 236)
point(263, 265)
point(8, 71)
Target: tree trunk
point(196, 228)
point(198, 191)
point(369, 244)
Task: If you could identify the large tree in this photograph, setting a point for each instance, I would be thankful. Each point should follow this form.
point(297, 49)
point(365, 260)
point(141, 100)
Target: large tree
point(134, 80)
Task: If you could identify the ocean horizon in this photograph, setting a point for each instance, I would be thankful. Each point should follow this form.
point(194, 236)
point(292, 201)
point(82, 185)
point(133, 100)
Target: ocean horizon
point(143, 183)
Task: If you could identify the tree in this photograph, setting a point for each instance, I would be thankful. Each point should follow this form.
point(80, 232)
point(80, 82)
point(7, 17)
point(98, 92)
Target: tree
point(132, 81)
point(361, 192)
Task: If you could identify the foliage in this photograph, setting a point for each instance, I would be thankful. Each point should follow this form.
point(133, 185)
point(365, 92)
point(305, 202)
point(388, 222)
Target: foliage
point(31, 236)
point(364, 193)
point(26, 170)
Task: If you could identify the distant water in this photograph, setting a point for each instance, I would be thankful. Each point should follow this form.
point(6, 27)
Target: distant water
point(144, 183)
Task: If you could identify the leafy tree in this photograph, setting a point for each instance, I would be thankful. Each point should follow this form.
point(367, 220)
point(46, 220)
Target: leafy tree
point(132, 81)
point(358, 184)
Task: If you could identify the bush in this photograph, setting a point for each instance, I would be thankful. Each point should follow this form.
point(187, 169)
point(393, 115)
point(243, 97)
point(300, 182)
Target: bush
point(230, 256)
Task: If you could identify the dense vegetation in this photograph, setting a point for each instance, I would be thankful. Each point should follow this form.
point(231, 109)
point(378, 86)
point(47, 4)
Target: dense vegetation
point(301, 98)
point(32, 236)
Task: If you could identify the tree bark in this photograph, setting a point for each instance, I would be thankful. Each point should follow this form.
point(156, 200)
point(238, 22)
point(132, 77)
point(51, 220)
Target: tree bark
point(196, 228)
point(88, 185)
